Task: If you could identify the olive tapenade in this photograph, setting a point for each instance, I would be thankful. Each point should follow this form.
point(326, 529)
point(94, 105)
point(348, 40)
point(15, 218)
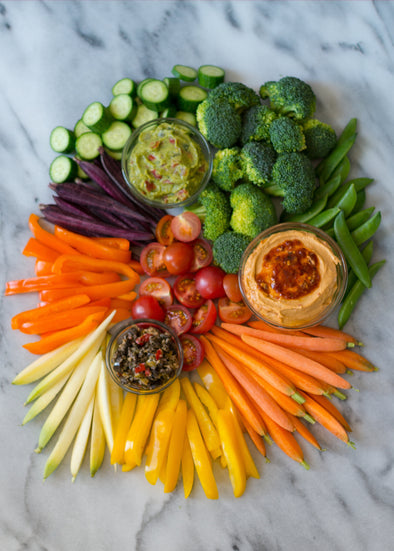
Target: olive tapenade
point(146, 357)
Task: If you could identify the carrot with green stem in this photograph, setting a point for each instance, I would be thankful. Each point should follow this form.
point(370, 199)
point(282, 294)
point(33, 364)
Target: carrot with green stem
point(331, 333)
point(256, 438)
point(331, 408)
point(305, 433)
point(354, 360)
point(324, 358)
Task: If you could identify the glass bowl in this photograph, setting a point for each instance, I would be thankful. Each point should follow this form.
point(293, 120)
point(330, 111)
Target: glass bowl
point(155, 174)
point(303, 305)
point(128, 373)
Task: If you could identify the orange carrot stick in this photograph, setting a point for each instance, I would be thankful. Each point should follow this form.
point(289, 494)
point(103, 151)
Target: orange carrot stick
point(305, 432)
point(47, 238)
point(330, 332)
point(255, 437)
point(259, 324)
point(296, 360)
point(331, 408)
point(72, 263)
point(60, 320)
point(353, 360)
point(39, 250)
point(324, 358)
point(121, 314)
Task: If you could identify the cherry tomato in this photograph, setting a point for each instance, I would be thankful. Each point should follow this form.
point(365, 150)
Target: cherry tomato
point(158, 288)
point(233, 312)
point(151, 260)
point(163, 232)
point(193, 352)
point(147, 307)
point(209, 282)
point(202, 254)
point(186, 292)
point(186, 226)
point(204, 318)
point(178, 257)
point(231, 287)
point(179, 318)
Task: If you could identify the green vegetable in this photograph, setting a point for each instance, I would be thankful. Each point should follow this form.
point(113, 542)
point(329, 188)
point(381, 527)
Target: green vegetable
point(347, 201)
point(210, 76)
point(253, 210)
point(190, 97)
point(367, 229)
point(286, 135)
point(290, 96)
point(359, 218)
point(359, 184)
point(328, 188)
point(63, 169)
point(256, 123)
point(97, 117)
point(239, 95)
point(124, 86)
point(226, 168)
point(328, 165)
point(219, 122)
point(367, 253)
point(257, 161)
point(316, 208)
point(184, 72)
point(62, 140)
point(320, 138)
point(348, 132)
point(154, 94)
point(228, 250)
point(324, 217)
point(213, 207)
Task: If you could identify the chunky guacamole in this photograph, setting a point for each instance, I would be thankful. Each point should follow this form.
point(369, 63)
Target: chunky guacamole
point(166, 164)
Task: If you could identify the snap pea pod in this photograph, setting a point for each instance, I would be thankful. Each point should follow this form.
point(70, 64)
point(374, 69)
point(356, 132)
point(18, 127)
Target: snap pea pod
point(348, 131)
point(355, 294)
point(366, 230)
point(324, 218)
point(347, 201)
point(317, 206)
point(359, 184)
point(330, 163)
point(342, 169)
point(361, 198)
point(352, 278)
point(328, 188)
point(350, 250)
point(358, 218)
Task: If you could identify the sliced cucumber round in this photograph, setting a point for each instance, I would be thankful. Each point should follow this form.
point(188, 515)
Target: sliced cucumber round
point(80, 128)
point(173, 84)
point(97, 117)
point(116, 136)
point(187, 117)
point(87, 145)
point(62, 140)
point(124, 86)
point(63, 169)
point(184, 72)
point(169, 112)
point(154, 94)
point(143, 115)
point(190, 97)
point(123, 107)
point(210, 76)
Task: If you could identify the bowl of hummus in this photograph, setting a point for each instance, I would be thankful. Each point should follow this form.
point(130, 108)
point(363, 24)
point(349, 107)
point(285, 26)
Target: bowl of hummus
point(166, 163)
point(293, 275)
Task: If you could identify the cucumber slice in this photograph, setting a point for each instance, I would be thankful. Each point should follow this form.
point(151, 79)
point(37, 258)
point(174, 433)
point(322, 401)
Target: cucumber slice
point(80, 128)
point(62, 140)
point(87, 145)
point(97, 117)
point(124, 86)
point(210, 76)
point(82, 174)
point(63, 169)
point(116, 136)
point(187, 117)
point(114, 154)
point(190, 97)
point(169, 112)
point(143, 115)
point(141, 85)
point(154, 94)
point(188, 74)
point(123, 107)
point(173, 84)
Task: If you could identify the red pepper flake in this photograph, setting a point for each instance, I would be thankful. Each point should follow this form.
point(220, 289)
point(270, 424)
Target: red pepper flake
point(143, 339)
point(150, 186)
point(159, 354)
point(140, 368)
point(156, 174)
point(155, 145)
point(148, 372)
point(171, 140)
point(151, 157)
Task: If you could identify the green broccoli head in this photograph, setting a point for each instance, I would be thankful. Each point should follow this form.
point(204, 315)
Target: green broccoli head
point(293, 177)
point(256, 122)
point(286, 135)
point(219, 122)
point(226, 169)
point(290, 96)
point(213, 207)
point(253, 210)
point(237, 94)
point(320, 138)
point(257, 160)
point(228, 250)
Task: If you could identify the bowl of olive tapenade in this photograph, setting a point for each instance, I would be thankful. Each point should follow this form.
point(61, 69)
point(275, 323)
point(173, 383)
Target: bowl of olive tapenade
point(143, 356)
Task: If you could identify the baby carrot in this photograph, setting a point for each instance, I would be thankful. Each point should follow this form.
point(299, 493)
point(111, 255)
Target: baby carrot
point(305, 432)
point(324, 358)
point(330, 332)
point(330, 407)
point(353, 360)
point(255, 437)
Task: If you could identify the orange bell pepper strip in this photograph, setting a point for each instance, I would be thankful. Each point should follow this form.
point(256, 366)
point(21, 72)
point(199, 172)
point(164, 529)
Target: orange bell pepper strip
point(201, 457)
point(70, 263)
point(187, 466)
point(91, 247)
point(56, 339)
point(232, 452)
point(175, 448)
point(115, 242)
point(140, 428)
point(94, 292)
point(42, 267)
point(126, 417)
point(136, 266)
point(117, 302)
point(121, 314)
point(33, 284)
point(47, 238)
point(60, 320)
point(96, 278)
point(39, 250)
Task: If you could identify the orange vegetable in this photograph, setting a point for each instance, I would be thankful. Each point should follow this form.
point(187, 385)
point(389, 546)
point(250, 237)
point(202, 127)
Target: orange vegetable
point(39, 250)
point(353, 360)
point(47, 238)
point(96, 278)
point(115, 242)
point(255, 437)
point(330, 407)
point(330, 332)
point(33, 284)
point(42, 268)
point(305, 432)
point(324, 358)
point(60, 320)
point(136, 266)
point(121, 314)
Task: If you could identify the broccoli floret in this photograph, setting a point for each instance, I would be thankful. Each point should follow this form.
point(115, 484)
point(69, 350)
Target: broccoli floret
point(290, 96)
point(256, 122)
point(226, 169)
point(253, 210)
point(320, 138)
point(228, 249)
point(293, 178)
point(237, 94)
point(257, 160)
point(219, 122)
point(213, 207)
point(286, 135)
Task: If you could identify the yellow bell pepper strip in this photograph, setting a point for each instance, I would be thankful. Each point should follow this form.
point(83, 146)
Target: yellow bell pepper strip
point(176, 447)
point(208, 430)
point(47, 238)
point(158, 444)
point(201, 457)
point(140, 428)
point(170, 397)
point(250, 467)
point(187, 466)
point(125, 419)
point(126, 467)
point(232, 452)
point(212, 383)
point(116, 400)
point(208, 401)
point(40, 251)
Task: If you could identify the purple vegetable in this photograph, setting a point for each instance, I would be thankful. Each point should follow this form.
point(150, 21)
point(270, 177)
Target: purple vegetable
point(69, 208)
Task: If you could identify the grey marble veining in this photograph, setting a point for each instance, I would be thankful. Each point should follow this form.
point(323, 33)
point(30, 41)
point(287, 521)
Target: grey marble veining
point(58, 56)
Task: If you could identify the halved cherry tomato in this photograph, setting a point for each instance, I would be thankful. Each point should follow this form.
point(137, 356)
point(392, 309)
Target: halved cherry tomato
point(151, 260)
point(193, 352)
point(164, 234)
point(233, 312)
point(158, 288)
point(202, 254)
point(186, 226)
point(186, 292)
point(147, 307)
point(179, 318)
point(178, 257)
point(231, 287)
point(209, 282)
point(204, 318)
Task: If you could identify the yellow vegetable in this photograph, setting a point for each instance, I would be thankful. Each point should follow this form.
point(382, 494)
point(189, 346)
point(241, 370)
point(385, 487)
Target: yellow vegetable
point(126, 416)
point(232, 452)
point(97, 442)
point(158, 444)
point(170, 397)
point(140, 428)
point(208, 401)
point(187, 468)
point(176, 446)
point(81, 441)
point(213, 383)
point(250, 467)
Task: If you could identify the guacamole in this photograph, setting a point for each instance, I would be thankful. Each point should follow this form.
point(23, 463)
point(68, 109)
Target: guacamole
point(166, 164)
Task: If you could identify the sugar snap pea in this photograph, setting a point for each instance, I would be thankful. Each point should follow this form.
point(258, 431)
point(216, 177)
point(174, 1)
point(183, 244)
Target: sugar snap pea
point(347, 201)
point(358, 218)
point(361, 198)
point(352, 278)
point(317, 206)
point(328, 188)
point(330, 163)
point(366, 230)
point(324, 217)
point(355, 294)
point(350, 250)
point(348, 131)
point(342, 169)
point(359, 184)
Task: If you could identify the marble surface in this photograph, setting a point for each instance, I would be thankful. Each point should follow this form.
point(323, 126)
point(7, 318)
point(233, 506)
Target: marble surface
point(58, 56)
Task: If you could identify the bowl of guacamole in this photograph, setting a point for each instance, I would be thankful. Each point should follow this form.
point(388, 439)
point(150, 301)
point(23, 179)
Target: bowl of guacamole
point(166, 163)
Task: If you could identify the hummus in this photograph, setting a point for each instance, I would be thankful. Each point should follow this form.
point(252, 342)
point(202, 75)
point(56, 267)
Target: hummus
point(290, 278)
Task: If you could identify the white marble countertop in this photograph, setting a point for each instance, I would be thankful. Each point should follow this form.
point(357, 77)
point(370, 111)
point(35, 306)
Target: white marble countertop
point(56, 58)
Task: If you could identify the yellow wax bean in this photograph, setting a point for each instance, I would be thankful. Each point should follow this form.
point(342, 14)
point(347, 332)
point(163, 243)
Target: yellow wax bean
point(176, 446)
